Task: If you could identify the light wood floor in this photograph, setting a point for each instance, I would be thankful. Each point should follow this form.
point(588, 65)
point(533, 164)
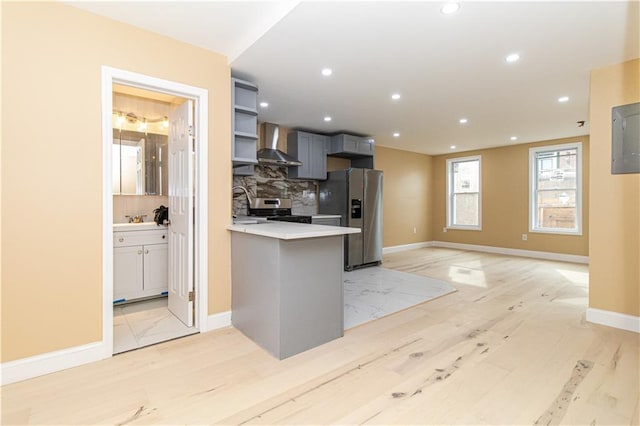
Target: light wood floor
point(510, 347)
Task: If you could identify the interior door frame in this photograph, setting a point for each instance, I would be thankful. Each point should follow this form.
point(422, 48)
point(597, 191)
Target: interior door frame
point(200, 97)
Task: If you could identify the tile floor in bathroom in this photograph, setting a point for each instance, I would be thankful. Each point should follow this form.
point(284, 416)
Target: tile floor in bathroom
point(145, 323)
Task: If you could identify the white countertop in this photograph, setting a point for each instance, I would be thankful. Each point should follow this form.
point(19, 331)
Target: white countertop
point(325, 216)
point(247, 220)
point(144, 226)
point(292, 231)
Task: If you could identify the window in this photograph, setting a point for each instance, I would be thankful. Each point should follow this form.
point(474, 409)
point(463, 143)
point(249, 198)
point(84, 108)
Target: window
point(555, 189)
point(464, 204)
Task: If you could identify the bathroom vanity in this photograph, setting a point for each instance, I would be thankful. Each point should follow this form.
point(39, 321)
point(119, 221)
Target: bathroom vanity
point(140, 267)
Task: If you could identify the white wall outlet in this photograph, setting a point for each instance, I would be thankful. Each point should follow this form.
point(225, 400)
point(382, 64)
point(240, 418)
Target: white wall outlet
point(444, 229)
point(524, 237)
point(415, 231)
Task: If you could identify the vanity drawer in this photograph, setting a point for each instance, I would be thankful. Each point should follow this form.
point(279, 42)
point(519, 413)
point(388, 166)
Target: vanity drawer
point(138, 238)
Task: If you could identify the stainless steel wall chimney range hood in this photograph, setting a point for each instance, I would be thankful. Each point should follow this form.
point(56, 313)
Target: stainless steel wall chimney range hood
point(269, 154)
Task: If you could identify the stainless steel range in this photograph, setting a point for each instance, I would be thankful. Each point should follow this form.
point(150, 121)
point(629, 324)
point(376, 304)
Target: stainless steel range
point(275, 209)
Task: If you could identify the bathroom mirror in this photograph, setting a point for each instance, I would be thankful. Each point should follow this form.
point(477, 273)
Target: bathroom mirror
point(139, 165)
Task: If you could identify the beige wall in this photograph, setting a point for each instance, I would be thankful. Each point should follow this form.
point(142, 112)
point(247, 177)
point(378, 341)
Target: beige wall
point(337, 163)
point(407, 195)
point(505, 202)
point(614, 248)
point(51, 176)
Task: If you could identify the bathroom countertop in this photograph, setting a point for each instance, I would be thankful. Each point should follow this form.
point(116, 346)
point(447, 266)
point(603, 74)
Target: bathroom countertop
point(144, 226)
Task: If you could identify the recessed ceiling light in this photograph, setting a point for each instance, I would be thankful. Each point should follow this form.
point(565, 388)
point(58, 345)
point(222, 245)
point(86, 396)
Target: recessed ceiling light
point(396, 134)
point(514, 138)
point(395, 96)
point(264, 104)
point(327, 72)
point(452, 147)
point(514, 57)
point(327, 118)
point(563, 99)
point(449, 8)
point(463, 121)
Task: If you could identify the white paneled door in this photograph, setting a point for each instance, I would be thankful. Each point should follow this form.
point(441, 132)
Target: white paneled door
point(181, 291)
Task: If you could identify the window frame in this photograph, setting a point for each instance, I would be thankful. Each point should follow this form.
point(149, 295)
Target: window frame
point(533, 190)
point(450, 189)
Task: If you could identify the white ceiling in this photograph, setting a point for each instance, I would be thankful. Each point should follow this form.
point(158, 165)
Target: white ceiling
point(445, 67)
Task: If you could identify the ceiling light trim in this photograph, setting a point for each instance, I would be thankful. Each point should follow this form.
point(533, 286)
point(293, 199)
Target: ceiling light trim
point(326, 72)
point(512, 58)
point(450, 8)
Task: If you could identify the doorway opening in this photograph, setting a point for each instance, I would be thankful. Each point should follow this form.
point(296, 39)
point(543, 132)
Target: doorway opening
point(154, 156)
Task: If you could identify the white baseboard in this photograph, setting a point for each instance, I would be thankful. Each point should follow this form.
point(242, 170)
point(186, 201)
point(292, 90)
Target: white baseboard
point(561, 257)
point(614, 319)
point(219, 320)
point(404, 247)
point(39, 365)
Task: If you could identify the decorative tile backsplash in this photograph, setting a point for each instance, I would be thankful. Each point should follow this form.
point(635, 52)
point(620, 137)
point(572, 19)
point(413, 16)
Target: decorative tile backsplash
point(270, 181)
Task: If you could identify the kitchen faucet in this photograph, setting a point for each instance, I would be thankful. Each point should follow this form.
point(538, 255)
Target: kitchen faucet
point(245, 191)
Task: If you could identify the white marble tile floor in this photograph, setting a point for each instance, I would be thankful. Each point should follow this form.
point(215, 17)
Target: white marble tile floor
point(145, 323)
point(371, 293)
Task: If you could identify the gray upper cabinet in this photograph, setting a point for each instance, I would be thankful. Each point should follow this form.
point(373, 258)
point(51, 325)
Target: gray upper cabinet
point(311, 150)
point(350, 146)
point(244, 124)
point(360, 150)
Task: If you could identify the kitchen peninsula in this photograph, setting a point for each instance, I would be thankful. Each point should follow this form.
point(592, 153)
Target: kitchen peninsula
point(287, 293)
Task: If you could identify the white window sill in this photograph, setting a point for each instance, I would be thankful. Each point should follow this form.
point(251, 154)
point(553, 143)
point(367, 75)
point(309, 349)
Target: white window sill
point(577, 233)
point(464, 228)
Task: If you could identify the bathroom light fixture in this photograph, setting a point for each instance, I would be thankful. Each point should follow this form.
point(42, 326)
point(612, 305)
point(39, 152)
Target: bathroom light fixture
point(463, 121)
point(514, 57)
point(395, 96)
point(396, 134)
point(327, 118)
point(449, 8)
point(131, 118)
point(563, 99)
point(129, 121)
point(264, 104)
point(327, 72)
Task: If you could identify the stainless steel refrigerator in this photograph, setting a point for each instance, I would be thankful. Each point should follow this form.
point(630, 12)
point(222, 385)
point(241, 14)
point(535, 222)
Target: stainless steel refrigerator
point(356, 195)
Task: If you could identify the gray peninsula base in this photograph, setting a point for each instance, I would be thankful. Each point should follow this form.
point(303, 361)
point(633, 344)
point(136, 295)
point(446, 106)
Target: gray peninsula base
point(287, 294)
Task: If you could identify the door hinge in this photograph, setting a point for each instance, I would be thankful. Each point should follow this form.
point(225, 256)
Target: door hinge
point(192, 296)
point(191, 130)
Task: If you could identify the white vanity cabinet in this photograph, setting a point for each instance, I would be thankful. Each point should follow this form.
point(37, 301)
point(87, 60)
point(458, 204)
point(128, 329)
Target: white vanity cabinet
point(140, 263)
